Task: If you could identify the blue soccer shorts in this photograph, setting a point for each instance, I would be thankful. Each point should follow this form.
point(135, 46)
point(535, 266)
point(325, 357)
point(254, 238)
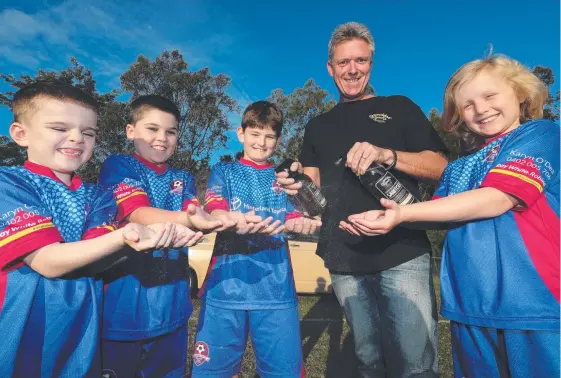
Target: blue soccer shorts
point(160, 357)
point(491, 352)
point(222, 336)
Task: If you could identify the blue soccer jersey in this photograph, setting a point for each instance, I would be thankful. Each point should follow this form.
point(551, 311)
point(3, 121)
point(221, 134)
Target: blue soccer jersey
point(48, 327)
point(249, 271)
point(504, 272)
point(148, 295)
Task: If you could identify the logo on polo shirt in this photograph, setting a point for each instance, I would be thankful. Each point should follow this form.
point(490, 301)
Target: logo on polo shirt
point(379, 117)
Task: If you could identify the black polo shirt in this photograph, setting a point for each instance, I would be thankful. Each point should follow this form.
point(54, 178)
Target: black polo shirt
point(388, 122)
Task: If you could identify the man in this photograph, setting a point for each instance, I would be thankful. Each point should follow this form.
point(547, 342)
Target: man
point(383, 283)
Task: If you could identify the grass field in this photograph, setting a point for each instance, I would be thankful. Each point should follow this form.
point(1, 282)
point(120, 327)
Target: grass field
point(326, 342)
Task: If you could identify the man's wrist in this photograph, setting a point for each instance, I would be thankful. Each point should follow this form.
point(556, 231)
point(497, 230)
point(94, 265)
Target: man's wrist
point(389, 157)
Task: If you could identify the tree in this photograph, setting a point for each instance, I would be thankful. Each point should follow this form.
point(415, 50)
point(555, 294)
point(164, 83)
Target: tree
point(111, 120)
point(10, 152)
point(201, 98)
point(551, 109)
point(298, 108)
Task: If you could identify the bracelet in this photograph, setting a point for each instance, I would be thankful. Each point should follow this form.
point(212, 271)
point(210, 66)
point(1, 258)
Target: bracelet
point(394, 162)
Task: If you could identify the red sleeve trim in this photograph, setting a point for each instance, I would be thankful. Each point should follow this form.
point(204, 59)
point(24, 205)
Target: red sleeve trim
point(193, 201)
point(522, 187)
point(129, 204)
point(293, 215)
point(435, 197)
point(216, 204)
point(97, 231)
point(18, 245)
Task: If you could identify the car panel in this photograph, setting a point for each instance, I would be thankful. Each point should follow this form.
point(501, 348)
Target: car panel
point(310, 274)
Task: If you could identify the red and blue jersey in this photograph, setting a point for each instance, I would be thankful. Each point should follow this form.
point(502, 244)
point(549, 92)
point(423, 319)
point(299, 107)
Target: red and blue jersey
point(504, 272)
point(249, 271)
point(48, 327)
point(147, 295)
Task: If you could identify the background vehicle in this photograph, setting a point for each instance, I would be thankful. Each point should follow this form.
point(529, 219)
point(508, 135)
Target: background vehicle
point(310, 274)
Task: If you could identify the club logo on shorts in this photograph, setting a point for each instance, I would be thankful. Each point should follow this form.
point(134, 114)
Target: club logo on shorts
point(277, 188)
point(176, 187)
point(108, 373)
point(201, 353)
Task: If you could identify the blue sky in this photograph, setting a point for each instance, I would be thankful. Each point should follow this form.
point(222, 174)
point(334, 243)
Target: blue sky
point(266, 45)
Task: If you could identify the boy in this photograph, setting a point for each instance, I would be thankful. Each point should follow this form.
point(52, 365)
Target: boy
point(250, 286)
point(147, 302)
point(51, 225)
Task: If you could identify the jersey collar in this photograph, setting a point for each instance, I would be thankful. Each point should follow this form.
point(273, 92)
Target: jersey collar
point(245, 161)
point(47, 172)
point(494, 139)
point(159, 169)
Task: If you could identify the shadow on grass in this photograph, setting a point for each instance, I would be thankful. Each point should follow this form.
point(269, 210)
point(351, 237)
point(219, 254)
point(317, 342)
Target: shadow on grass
point(325, 319)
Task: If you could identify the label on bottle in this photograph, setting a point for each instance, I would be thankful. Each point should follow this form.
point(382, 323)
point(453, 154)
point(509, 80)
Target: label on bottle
point(392, 189)
point(318, 195)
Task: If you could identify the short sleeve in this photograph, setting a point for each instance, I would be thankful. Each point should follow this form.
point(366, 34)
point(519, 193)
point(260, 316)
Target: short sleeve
point(419, 133)
point(128, 189)
point(216, 197)
point(442, 189)
point(308, 156)
point(189, 192)
point(101, 215)
point(25, 224)
point(527, 163)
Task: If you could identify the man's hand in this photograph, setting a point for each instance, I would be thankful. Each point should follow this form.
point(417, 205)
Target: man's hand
point(185, 237)
point(142, 238)
point(302, 225)
point(374, 222)
point(363, 154)
point(290, 185)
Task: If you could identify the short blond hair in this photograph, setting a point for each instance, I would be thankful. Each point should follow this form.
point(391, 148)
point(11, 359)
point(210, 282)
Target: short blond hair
point(524, 83)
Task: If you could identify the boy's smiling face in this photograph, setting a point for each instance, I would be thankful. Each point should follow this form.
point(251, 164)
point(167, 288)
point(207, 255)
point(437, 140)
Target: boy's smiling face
point(59, 135)
point(154, 135)
point(258, 144)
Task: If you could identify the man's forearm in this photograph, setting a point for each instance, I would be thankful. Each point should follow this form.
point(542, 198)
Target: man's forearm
point(425, 165)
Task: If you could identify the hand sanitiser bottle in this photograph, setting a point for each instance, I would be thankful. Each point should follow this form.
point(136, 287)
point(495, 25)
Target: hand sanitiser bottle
point(379, 181)
point(309, 198)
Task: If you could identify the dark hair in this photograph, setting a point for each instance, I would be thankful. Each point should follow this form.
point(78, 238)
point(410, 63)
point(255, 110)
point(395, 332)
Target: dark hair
point(261, 114)
point(143, 103)
point(24, 100)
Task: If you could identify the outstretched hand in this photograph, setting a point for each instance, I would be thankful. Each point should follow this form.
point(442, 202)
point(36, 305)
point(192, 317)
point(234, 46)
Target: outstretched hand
point(203, 221)
point(302, 225)
point(142, 238)
point(373, 222)
point(185, 237)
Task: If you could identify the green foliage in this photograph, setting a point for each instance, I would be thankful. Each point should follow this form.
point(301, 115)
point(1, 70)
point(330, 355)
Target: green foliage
point(298, 108)
point(551, 109)
point(201, 97)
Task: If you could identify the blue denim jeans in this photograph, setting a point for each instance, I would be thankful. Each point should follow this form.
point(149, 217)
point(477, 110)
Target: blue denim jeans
point(392, 316)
